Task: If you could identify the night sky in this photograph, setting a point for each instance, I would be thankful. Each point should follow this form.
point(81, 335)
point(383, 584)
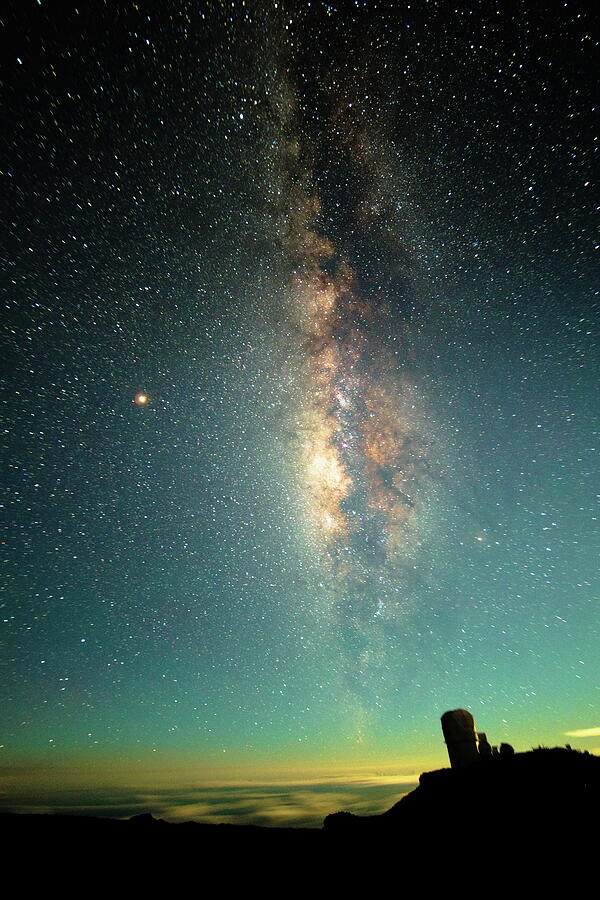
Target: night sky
point(300, 395)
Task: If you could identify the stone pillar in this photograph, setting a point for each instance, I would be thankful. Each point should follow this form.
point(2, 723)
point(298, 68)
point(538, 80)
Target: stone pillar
point(458, 727)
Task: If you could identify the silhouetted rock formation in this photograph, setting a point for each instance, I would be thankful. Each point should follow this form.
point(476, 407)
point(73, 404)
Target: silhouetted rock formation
point(465, 744)
point(483, 745)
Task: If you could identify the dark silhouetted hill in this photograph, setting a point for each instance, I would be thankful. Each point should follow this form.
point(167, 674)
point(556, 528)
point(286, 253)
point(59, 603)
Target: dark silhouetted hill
point(544, 795)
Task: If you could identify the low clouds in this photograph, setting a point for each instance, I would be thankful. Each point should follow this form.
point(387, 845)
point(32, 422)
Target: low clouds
point(303, 804)
point(584, 732)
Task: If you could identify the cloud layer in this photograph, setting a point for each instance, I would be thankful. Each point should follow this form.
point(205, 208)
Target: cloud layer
point(302, 805)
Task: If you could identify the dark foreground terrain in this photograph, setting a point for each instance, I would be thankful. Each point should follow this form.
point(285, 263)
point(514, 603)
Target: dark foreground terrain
point(533, 815)
point(541, 792)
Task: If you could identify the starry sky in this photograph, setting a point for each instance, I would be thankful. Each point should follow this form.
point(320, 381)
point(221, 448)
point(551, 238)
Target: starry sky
point(299, 384)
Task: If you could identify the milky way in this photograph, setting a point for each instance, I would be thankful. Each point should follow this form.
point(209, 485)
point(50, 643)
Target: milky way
point(364, 460)
point(363, 439)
